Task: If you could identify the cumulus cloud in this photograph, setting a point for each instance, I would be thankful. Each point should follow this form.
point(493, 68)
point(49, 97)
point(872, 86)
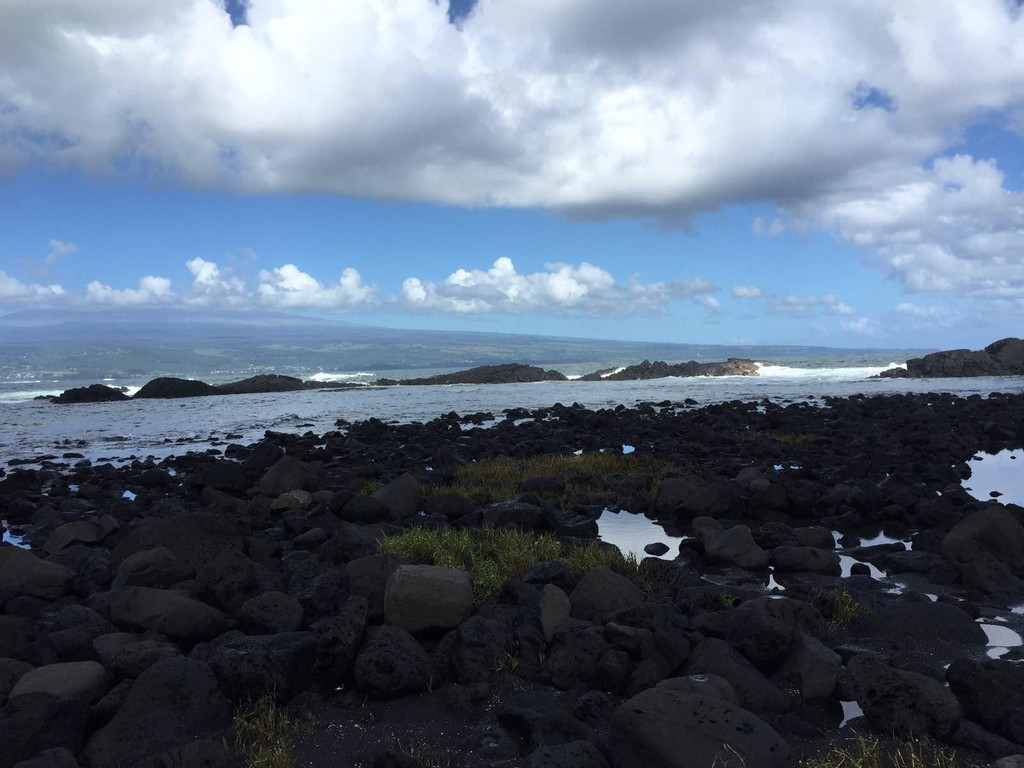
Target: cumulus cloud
point(13, 290)
point(213, 285)
point(151, 290)
point(802, 306)
point(862, 326)
point(289, 287)
point(952, 227)
point(588, 106)
point(751, 292)
point(560, 289)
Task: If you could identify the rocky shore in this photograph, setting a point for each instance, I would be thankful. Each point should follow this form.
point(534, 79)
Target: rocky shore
point(168, 387)
point(433, 594)
point(1001, 358)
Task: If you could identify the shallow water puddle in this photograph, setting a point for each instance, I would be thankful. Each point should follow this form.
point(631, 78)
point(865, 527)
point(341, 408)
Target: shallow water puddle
point(12, 538)
point(883, 539)
point(851, 710)
point(1001, 640)
point(1002, 472)
point(846, 563)
point(128, 495)
point(627, 448)
point(632, 532)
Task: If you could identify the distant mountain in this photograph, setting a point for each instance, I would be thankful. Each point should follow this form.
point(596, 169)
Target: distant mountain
point(219, 346)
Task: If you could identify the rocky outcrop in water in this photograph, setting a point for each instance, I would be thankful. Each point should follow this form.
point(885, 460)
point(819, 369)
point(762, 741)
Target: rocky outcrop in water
point(508, 373)
point(167, 387)
point(94, 393)
point(659, 370)
point(1002, 358)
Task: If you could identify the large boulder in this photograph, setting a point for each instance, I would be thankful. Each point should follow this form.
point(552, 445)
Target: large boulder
point(988, 534)
point(231, 578)
point(402, 496)
point(172, 613)
point(249, 667)
point(271, 612)
point(734, 546)
point(156, 567)
point(40, 721)
point(288, 474)
point(391, 663)
point(989, 690)
point(171, 704)
point(903, 703)
point(689, 497)
point(812, 667)
point(755, 691)
point(339, 642)
point(128, 655)
point(421, 597)
point(195, 538)
point(22, 573)
point(920, 622)
point(763, 629)
point(11, 671)
point(602, 591)
point(74, 679)
point(67, 534)
point(807, 560)
point(664, 728)
point(554, 609)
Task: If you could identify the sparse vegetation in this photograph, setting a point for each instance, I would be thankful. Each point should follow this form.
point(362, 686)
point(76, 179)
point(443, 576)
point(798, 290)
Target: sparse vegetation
point(496, 555)
point(264, 733)
point(769, 438)
point(866, 752)
point(839, 607)
point(591, 473)
point(370, 487)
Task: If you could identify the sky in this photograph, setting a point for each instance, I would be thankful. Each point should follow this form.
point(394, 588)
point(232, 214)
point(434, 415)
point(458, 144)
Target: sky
point(762, 171)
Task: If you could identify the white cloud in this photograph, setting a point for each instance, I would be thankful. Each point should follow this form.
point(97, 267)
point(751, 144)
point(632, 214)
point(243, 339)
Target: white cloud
point(43, 269)
point(290, 287)
point(12, 290)
point(561, 289)
point(213, 285)
point(593, 107)
point(151, 290)
point(751, 292)
point(802, 306)
point(953, 227)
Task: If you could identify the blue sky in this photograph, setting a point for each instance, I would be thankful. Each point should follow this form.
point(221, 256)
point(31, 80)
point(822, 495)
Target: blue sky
point(518, 171)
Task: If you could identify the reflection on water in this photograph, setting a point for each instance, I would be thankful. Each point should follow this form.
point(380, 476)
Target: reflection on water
point(631, 533)
point(11, 538)
point(1003, 472)
point(1000, 640)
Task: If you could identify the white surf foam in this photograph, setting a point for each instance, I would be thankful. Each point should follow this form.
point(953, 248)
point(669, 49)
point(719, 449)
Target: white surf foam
point(328, 377)
point(772, 371)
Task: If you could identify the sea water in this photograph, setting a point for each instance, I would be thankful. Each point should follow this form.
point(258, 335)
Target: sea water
point(154, 427)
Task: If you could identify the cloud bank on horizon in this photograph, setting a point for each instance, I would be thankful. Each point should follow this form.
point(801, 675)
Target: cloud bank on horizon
point(842, 115)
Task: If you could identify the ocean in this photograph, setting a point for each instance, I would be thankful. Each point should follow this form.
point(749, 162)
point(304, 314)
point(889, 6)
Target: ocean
point(158, 428)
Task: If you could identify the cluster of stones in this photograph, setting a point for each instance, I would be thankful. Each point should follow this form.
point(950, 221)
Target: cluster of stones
point(133, 627)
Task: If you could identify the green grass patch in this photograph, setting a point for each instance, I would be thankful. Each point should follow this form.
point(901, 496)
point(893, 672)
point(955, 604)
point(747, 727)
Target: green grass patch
point(494, 556)
point(588, 474)
point(264, 733)
point(770, 438)
point(865, 752)
point(838, 606)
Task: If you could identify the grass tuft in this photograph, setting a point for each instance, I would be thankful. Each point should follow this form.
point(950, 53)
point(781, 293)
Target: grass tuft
point(263, 733)
point(494, 556)
point(591, 473)
point(838, 606)
point(865, 752)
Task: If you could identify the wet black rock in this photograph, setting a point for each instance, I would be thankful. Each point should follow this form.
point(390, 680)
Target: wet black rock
point(94, 393)
point(391, 663)
point(1001, 358)
point(507, 373)
point(170, 387)
point(903, 703)
point(658, 370)
point(174, 702)
point(670, 729)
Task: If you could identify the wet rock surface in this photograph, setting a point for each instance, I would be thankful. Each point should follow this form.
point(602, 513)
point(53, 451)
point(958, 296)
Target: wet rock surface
point(132, 628)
